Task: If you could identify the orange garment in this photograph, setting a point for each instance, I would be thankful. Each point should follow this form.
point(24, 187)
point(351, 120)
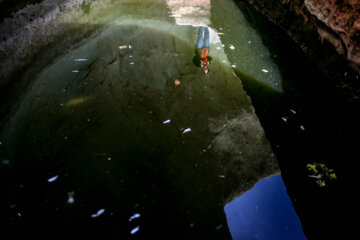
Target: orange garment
point(204, 52)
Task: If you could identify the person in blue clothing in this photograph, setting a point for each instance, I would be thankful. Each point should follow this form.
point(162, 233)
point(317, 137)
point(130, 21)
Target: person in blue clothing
point(202, 58)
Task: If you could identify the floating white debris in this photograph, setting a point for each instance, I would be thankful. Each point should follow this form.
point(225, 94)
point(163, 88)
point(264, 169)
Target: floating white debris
point(75, 71)
point(293, 111)
point(284, 119)
point(187, 130)
point(249, 41)
point(220, 33)
point(136, 215)
point(71, 199)
point(101, 211)
point(223, 61)
point(130, 47)
point(53, 178)
point(132, 63)
point(135, 230)
point(264, 70)
point(0, 143)
point(123, 46)
point(81, 59)
point(234, 66)
point(302, 127)
point(166, 121)
point(232, 47)
point(61, 104)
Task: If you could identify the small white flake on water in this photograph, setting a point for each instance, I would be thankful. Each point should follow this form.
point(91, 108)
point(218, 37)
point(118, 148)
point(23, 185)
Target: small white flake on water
point(249, 41)
point(187, 130)
point(223, 61)
point(61, 104)
point(234, 66)
point(53, 178)
point(166, 121)
point(136, 215)
point(231, 47)
point(132, 63)
point(75, 71)
point(0, 143)
point(293, 111)
point(284, 119)
point(71, 200)
point(101, 211)
point(81, 59)
point(302, 127)
point(135, 230)
point(264, 70)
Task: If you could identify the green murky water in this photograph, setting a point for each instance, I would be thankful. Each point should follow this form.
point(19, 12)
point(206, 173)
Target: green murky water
point(103, 143)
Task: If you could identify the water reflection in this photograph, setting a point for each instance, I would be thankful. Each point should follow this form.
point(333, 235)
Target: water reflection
point(264, 212)
point(125, 137)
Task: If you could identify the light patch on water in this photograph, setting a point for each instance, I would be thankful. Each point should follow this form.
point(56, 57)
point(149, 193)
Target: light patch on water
point(76, 101)
point(75, 71)
point(136, 215)
point(166, 121)
point(232, 47)
point(265, 70)
point(50, 180)
point(81, 59)
point(187, 130)
point(100, 212)
point(135, 230)
point(5, 162)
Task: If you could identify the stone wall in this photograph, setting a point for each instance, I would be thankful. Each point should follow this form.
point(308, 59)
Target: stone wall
point(328, 31)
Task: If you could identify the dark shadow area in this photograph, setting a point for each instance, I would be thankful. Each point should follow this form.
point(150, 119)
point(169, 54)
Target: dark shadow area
point(313, 121)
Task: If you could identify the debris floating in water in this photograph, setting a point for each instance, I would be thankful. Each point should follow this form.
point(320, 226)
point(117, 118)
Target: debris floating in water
point(264, 70)
point(187, 130)
point(234, 66)
point(176, 82)
point(232, 47)
point(220, 33)
point(53, 178)
point(166, 121)
point(71, 199)
point(293, 111)
point(81, 59)
point(284, 119)
point(302, 127)
point(135, 230)
point(136, 215)
point(101, 211)
point(75, 71)
point(123, 46)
